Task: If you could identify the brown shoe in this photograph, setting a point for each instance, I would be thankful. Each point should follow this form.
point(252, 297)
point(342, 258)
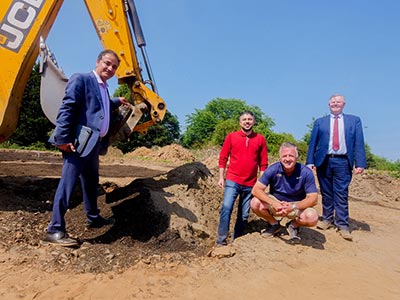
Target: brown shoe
point(346, 235)
point(324, 225)
point(221, 251)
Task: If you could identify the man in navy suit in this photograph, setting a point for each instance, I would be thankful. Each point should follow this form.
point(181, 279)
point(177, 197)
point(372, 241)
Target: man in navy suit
point(86, 103)
point(334, 159)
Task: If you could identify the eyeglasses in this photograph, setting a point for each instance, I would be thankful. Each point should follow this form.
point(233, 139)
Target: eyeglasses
point(108, 64)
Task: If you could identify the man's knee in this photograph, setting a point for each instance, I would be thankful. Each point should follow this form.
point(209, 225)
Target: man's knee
point(311, 216)
point(255, 204)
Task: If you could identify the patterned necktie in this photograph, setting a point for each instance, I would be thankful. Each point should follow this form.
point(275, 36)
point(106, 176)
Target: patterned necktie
point(335, 144)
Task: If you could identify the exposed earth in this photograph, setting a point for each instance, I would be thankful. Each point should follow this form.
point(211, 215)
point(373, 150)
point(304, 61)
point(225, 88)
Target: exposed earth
point(166, 205)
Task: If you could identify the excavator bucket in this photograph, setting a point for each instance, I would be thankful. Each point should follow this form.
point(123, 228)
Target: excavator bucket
point(52, 84)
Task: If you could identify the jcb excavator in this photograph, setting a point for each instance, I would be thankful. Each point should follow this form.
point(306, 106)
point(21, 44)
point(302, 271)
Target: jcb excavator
point(24, 26)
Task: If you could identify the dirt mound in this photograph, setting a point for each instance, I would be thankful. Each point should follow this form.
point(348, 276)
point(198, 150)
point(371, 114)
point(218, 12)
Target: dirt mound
point(163, 217)
point(171, 153)
point(377, 188)
point(170, 217)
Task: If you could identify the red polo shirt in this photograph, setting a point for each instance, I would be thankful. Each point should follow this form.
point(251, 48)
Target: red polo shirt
point(246, 155)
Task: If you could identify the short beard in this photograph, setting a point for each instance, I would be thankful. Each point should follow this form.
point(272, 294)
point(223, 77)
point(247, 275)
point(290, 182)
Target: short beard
point(247, 130)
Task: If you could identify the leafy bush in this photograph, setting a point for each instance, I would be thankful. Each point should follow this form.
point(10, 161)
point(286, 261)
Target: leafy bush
point(33, 126)
point(219, 117)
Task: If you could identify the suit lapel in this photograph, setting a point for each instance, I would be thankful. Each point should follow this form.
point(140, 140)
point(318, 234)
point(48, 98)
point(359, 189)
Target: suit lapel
point(326, 123)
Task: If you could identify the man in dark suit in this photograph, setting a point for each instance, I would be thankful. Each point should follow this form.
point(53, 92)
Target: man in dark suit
point(334, 150)
point(86, 103)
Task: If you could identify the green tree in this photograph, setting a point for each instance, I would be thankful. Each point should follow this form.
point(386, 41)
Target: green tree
point(222, 129)
point(201, 126)
point(275, 140)
point(122, 91)
point(219, 117)
point(307, 135)
point(371, 158)
point(33, 126)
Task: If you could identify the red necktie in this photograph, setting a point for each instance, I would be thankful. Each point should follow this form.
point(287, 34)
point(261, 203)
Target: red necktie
point(335, 144)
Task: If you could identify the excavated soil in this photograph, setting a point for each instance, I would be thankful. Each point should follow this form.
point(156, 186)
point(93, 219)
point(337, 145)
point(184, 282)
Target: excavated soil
point(145, 200)
point(166, 205)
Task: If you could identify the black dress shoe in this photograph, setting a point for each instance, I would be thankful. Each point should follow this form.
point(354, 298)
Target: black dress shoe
point(100, 222)
point(60, 239)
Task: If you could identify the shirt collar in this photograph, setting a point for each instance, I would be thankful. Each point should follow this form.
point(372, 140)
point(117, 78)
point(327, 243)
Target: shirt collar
point(99, 81)
point(244, 135)
point(339, 116)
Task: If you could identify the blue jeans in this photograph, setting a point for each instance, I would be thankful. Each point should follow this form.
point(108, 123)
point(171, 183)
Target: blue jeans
point(232, 190)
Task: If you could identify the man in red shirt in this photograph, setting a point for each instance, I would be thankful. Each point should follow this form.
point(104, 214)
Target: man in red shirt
point(247, 153)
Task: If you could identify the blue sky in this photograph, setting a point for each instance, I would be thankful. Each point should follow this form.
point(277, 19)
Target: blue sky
point(287, 57)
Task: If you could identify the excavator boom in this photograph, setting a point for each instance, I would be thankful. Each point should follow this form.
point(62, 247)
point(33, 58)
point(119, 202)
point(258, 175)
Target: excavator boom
point(23, 24)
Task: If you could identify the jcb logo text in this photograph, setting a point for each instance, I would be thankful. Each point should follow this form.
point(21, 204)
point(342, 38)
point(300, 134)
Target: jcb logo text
point(17, 23)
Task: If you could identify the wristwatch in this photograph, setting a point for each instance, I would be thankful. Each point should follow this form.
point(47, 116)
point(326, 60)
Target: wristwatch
point(295, 209)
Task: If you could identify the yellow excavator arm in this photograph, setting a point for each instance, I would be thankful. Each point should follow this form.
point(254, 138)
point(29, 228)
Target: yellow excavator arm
point(24, 22)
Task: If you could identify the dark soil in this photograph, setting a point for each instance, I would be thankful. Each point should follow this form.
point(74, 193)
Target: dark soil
point(141, 233)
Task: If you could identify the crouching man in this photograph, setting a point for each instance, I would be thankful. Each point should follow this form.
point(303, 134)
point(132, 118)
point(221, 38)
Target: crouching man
point(292, 194)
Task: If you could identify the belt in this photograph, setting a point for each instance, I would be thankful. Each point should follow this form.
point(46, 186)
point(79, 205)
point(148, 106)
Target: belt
point(337, 155)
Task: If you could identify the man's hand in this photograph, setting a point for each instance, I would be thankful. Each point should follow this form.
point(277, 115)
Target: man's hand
point(358, 170)
point(280, 208)
point(67, 147)
point(286, 207)
point(221, 178)
point(221, 182)
point(123, 101)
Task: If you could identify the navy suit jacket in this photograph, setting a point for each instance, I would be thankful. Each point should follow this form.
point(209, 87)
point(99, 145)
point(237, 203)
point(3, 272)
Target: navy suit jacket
point(82, 105)
point(319, 142)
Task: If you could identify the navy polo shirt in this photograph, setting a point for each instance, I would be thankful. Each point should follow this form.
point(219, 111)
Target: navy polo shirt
point(289, 188)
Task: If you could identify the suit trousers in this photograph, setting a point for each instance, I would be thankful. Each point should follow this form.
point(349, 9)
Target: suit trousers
point(334, 177)
point(74, 167)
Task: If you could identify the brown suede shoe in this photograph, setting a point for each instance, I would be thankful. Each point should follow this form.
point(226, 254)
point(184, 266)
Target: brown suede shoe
point(346, 235)
point(324, 225)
